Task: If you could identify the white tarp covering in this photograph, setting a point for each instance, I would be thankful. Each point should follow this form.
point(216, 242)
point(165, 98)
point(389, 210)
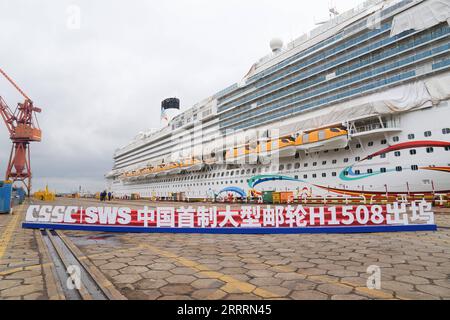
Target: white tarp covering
point(422, 16)
point(403, 98)
point(439, 87)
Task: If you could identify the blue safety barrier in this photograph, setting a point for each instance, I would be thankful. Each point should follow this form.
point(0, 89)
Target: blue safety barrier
point(5, 196)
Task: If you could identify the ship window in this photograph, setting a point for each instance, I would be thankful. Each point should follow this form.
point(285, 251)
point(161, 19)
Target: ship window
point(228, 173)
point(223, 173)
point(412, 151)
point(383, 170)
point(345, 160)
point(369, 171)
point(345, 173)
point(427, 134)
point(396, 139)
point(447, 148)
point(398, 168)
point(321, 135)
point(357, 158)
point(324, 163)
point(248, 171)
point(297, 155)
point(297, 165)
point(414, 167)
point(430, 150)
point(358, 145)
point(384, 141)
point(324, 175)
point(305, 164)
point(357, 172)
point(383, 155)
point(446, 131)
point(314, 164)
point(305, 176)
point(336, 150)
point(281, 167)
point(232, 173)
point(305, 138)
point(314, 175)
point(334, 161)
point(347, 148)
point(411, 136)
point(289, 166)
point(254, 170)
point(370, 144)
point(242, 172)
point(334, 174)
point(397, 153)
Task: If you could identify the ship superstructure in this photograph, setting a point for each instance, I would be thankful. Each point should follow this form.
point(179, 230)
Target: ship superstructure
point(360, 105)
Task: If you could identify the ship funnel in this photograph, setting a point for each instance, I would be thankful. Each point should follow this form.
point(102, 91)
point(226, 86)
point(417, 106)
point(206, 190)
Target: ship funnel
point(169, 109)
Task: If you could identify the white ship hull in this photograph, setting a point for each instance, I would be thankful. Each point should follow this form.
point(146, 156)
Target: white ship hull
point(421, 173)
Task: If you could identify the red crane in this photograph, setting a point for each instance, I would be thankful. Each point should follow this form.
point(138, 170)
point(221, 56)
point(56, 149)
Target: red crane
point(23, 128)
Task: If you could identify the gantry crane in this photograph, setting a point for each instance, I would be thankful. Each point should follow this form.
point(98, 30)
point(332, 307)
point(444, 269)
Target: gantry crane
point(23, 128)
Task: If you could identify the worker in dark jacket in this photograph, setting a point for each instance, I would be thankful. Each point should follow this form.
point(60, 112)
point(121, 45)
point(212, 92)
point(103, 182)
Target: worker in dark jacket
point(109, 196)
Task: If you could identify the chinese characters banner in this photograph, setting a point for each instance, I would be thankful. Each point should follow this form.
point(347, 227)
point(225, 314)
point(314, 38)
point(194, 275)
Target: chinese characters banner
point(414, 216)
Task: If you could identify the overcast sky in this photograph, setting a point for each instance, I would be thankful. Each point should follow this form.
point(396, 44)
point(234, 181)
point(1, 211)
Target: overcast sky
point(102, 83)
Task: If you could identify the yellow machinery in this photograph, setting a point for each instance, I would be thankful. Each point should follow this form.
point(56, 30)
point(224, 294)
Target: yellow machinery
point(44, 195)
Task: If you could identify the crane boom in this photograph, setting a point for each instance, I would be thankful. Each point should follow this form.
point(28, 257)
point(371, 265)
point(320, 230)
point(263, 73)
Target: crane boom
point(14, 84)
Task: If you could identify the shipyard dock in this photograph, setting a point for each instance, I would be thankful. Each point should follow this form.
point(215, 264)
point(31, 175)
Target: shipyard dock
point(194, 266)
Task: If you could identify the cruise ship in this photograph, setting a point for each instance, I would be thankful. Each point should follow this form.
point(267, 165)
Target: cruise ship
point(360, 105)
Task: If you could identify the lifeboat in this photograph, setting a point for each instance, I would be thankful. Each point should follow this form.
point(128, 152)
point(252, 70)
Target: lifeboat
point(241, 154)
point(321, 140)
point(150, 173)
point(191, 165)
point(280, 147)
point(174, 168)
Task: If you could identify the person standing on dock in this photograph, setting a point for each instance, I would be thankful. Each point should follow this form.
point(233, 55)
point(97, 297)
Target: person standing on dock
point(109, 196)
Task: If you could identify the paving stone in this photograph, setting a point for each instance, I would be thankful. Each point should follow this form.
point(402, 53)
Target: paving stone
point(180, 279)
point(161, 266)
point(269, 292)
point(183, 270)
point(266, 281)
point(343, 273)
point(290, 276)
point(208, 294)
point(176, 289)
point(414, 295)
point(175, 297)
point(434, 290)
point(151, 294)
point(348, 297)
point(308, 295)
point(334, 289)
point(127, 278)
point(242, 296)
point(207, 283)
point(412, 279)
point(133, 270)
point(6, 284)
point(113, 266)
point(260, 273)
point(21, 290)
point(146, 284)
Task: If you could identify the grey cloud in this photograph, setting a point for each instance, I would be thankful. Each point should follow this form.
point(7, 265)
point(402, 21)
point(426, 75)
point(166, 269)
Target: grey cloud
point(100, 85)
